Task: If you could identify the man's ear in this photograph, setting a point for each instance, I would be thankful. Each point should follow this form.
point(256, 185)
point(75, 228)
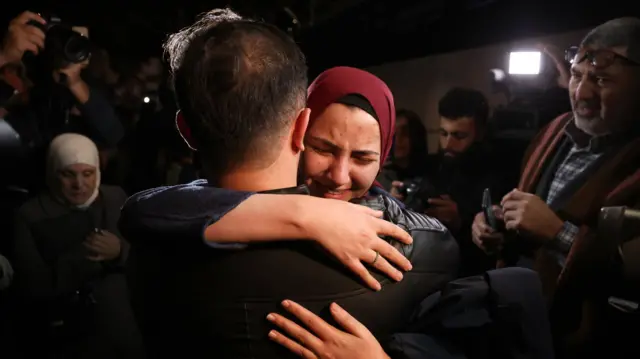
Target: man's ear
point(185, 131)
point(299, 129)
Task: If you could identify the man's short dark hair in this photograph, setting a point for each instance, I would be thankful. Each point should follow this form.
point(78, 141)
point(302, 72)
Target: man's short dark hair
point(621, 32)
point(239, 84)
point(462, 102)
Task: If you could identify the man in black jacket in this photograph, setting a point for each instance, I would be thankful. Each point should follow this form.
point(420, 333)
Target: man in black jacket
point(241, 90)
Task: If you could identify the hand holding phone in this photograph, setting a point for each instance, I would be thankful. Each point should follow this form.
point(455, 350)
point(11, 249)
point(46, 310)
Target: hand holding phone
point(489, 213)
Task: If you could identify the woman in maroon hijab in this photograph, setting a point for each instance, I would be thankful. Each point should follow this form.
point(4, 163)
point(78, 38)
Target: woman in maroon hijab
point(350, 133)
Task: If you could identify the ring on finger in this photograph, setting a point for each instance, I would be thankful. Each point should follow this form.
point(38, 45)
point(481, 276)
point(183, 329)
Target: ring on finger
point(376, 258)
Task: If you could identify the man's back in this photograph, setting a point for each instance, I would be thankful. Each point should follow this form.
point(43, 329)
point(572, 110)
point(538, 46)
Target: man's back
point(213, 303)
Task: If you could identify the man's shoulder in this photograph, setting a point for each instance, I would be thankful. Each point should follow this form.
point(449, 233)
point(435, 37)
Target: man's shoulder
point(172, 200)
point(433, 249)
point(546, 135)
point(182, 210)
point(167, 191)
point(405, 218)
point(553, 127)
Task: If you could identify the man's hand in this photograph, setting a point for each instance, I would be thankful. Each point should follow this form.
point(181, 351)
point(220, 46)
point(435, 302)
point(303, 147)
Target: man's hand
point(324, 341)
point(557, 55)
point(22, 37)
point(485, 237)
point(396, 186)
point(70, 77)
point(104, 246)
point(351, 233)
point(529, 215)
point(445, 209)
point(71, 74)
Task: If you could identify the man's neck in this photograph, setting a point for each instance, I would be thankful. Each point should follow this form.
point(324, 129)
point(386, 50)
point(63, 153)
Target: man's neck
point(270, 178)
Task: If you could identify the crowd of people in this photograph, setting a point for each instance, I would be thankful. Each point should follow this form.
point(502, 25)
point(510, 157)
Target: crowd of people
point(313, 222)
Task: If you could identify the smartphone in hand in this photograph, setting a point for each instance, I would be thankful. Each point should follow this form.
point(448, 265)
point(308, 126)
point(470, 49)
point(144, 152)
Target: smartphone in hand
point(487, 208)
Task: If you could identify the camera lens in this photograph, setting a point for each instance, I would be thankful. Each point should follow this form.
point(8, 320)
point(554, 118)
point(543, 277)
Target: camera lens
point(77, 49)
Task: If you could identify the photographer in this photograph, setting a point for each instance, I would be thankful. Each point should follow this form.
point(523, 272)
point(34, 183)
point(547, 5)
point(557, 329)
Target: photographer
point(457, 175)
point(60, 100)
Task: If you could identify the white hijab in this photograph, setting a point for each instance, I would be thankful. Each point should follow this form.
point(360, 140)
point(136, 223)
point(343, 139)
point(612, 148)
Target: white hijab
point(70, 149)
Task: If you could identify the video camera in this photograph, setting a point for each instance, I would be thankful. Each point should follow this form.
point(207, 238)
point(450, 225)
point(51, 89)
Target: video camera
point(524, 84)
point(416, 193)
point(63, 45)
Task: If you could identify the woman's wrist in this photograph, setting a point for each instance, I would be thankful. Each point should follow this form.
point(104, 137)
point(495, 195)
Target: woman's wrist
point(303, 216)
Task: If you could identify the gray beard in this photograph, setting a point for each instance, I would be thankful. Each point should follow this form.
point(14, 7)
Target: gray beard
point(590, 126)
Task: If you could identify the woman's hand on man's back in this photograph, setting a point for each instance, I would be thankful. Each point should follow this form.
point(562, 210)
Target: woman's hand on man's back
point(320, 340)
point(352, 233)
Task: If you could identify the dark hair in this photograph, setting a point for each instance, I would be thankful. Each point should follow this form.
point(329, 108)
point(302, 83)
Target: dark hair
point(462, 102)
point(239, 84)
point(417, 137)
point(355, 100)
point(623, 32)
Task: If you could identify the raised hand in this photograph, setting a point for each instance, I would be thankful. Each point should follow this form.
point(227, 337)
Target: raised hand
point(22, 37)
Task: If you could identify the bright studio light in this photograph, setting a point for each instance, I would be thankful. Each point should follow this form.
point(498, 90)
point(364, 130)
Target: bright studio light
point(524, 63)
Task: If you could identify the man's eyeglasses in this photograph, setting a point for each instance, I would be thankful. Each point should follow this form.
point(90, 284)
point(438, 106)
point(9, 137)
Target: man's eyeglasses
point(597, 58)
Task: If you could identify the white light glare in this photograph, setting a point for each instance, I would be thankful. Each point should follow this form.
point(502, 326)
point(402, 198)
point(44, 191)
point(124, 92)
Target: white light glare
point(525, 63)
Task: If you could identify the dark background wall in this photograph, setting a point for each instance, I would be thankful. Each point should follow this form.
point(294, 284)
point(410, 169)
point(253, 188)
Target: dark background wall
point(346, 32)
point(419, 47)
point(418, 84)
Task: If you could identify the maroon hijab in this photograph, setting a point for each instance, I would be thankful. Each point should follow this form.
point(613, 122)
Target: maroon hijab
point(336, 83)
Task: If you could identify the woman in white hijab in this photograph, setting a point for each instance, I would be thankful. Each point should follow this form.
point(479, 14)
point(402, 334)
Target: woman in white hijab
point(69, 258)
point(73, 170)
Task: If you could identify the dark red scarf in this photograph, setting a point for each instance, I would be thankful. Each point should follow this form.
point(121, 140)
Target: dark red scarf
point(336, 83)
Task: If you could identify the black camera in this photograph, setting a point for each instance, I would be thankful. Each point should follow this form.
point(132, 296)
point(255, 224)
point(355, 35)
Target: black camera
point(409, 188)
point(416, 193)
point(63, 45)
